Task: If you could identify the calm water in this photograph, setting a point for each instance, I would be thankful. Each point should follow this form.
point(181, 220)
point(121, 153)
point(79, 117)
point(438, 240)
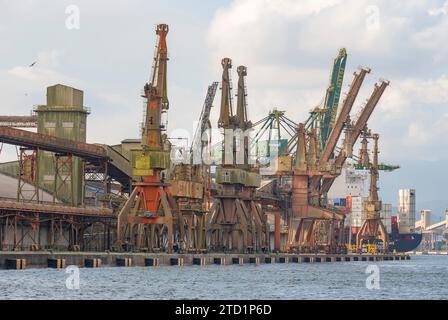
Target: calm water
point(423, 277)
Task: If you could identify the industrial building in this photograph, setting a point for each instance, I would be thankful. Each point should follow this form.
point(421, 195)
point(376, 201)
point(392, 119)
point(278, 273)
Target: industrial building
point(406, 210)
point(434, 235)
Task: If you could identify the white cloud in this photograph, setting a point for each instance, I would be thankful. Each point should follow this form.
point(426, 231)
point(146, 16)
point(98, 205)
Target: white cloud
point(288, 46)
point(443, 10)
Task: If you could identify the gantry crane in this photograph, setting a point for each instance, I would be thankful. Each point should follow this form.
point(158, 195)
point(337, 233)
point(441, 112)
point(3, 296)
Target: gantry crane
point(310, 186)
point(372, 230)
point(148, 218)
point(311, 227)
point(308, 213)
point(236, 221)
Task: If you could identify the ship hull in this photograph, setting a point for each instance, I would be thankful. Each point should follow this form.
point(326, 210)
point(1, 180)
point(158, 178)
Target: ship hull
point(404, 242)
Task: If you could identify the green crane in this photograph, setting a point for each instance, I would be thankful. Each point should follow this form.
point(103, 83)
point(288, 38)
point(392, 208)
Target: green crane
point(330, 107)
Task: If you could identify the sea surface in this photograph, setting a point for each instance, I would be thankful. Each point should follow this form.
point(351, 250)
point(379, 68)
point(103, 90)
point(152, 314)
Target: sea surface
point(422, 277)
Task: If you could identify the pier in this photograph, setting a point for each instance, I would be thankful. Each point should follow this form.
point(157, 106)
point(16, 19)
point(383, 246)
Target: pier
point(48, 259)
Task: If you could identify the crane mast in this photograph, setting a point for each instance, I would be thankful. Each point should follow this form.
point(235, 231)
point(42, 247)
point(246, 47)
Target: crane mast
point(241, 109)
point(226, 111)
point(156, 94)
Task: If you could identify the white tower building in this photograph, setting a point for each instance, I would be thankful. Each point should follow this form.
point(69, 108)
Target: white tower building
point(406, 210)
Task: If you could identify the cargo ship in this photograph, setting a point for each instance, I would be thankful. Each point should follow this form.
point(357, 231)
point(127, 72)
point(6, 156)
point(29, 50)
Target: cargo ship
point(402, 242)
point(398, 242)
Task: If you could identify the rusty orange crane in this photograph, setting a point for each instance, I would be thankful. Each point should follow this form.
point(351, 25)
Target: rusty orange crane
point(313, 175)
point(148, 218)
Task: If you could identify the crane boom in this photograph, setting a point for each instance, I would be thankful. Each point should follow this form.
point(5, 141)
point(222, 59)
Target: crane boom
point(357, 129)
point(342, 118)
point(363, 118)
point(159, 71)
point(332, 96)
point(203, 123)
point(155, 94)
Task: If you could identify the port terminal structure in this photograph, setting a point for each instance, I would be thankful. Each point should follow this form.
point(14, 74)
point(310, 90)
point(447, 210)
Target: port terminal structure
point(434, 235)
point(145, 203)
point(51, 259)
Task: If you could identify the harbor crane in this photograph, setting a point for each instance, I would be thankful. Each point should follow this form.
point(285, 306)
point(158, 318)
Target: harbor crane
point(148, 218)
point(236, 222)
point(372, 230)
point(190, 184)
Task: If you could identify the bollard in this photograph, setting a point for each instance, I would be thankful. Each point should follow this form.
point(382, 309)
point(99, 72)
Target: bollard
point(254, 260)
point(92, 262)
point(15, 264)
point(268, 260)
point(238, 260)
point(152, 262)
point(123, 262)
point(56, 263)
point(199, 261)
point(219, 261)
point(177, 262)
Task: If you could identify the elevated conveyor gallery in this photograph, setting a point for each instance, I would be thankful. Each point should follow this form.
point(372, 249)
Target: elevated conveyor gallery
point(119, 167)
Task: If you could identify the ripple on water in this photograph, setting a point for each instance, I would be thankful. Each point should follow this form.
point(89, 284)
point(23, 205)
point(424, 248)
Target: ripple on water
point(415, 279)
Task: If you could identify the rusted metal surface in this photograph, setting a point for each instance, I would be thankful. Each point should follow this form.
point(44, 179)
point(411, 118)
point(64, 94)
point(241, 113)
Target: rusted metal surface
point(345, 111)
point(32, 227)
point(18, 121)
point(372, 230)
point(119, 167)
point(150, 218)
point(39, 207)
point(360, 124)
point(236, 222)
point(51, 143)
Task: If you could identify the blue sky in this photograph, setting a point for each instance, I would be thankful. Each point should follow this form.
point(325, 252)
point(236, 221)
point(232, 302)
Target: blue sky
point(287, 46)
